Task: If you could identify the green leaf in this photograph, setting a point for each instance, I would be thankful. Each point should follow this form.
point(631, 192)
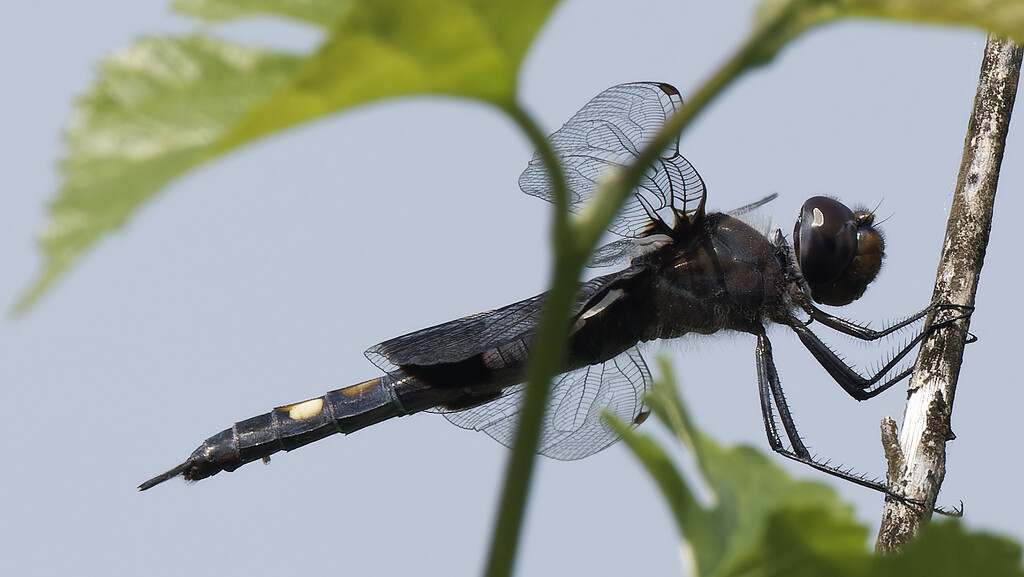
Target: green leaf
point(387, 48)
point(749, 494)
point(318, 12)
point(1003, 17)
point(806, 540)
point(762, 522)
point(945, 548)
point(163, 106)
point(156, 108)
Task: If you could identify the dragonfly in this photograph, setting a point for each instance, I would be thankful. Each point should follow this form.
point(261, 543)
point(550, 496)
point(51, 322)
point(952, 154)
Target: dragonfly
point(681, 270)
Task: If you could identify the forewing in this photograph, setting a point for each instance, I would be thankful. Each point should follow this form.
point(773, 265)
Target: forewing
point(460, 339)
point(607, 134)
point(573, 427)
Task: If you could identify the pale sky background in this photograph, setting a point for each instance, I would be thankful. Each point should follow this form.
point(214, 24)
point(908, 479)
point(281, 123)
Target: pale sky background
point(259, 280)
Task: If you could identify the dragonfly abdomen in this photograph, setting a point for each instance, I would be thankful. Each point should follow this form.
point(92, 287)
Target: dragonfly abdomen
point(293, 426)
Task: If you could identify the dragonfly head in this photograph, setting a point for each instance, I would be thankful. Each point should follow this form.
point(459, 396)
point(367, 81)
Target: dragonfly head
point(838, 250)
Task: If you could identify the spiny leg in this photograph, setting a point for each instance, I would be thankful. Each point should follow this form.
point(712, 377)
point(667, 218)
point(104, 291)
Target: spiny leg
point(770, 389)
point(865, 333)
point(766, 376)
point(845, 376)
point(857, 386)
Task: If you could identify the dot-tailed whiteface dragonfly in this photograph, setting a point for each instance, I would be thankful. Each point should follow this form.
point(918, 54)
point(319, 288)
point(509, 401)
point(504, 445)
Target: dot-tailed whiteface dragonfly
point(682, 270)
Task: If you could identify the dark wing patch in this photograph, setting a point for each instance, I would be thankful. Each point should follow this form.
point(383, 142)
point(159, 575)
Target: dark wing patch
point(460, 339)
point(463, 338)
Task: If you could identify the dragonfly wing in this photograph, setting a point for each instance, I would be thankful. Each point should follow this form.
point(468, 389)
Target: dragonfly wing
point(460, 339)
point(573, 426)
point(622, 252)
point(607, 134)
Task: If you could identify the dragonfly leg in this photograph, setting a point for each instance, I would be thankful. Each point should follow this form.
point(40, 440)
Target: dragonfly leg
point(769, 387)
point(770, 392)
point(855, 385)
point(866, 333)
point(865, 387)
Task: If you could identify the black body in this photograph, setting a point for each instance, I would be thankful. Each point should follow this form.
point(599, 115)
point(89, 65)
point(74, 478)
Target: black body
point(684, 271)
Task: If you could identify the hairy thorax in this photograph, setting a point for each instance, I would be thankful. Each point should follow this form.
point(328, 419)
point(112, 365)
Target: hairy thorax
point(726, 277)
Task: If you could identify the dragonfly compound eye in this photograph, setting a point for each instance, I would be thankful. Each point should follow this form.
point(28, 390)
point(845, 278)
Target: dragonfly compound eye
point(838, 250)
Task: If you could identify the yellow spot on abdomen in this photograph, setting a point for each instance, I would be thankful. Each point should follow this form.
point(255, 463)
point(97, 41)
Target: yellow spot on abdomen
point(305, 409)
point(359, 389)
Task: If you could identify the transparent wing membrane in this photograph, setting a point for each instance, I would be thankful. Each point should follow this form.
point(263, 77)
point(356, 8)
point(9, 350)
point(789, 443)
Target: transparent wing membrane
point(607, 134)
point(573, 427)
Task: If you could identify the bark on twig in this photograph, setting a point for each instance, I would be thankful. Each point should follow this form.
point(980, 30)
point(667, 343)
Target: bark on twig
point(930, 398)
